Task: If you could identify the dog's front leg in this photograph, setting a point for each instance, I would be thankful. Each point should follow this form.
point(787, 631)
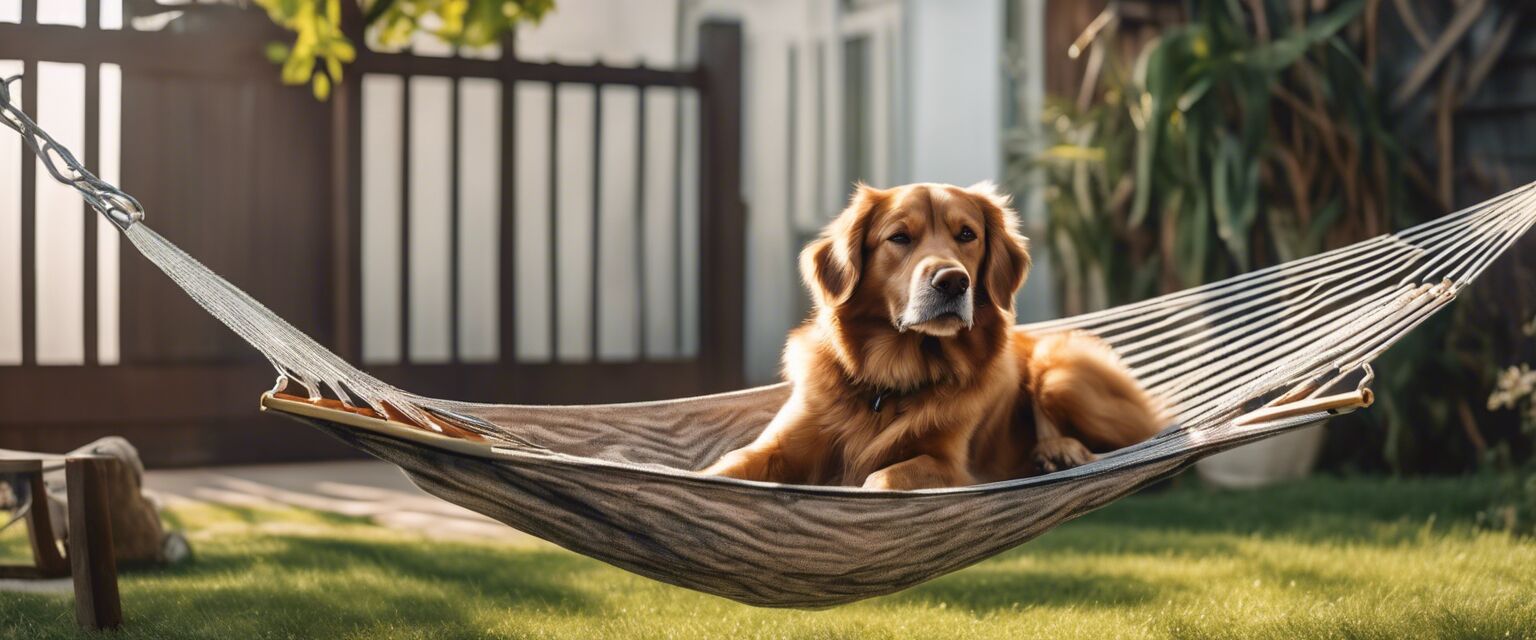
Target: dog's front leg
point(765, 459)
point(922, 472)
point(752, 462)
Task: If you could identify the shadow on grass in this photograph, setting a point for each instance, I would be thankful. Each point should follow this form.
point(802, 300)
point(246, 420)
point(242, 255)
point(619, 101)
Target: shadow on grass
point(252, 515)
point(1195, 522)
point(269, 583)
point(985, 588)
point(520, 574)
point(1323, 508)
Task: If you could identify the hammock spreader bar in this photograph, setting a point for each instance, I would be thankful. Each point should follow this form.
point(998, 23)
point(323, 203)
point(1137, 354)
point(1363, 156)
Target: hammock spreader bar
point(1235, 361)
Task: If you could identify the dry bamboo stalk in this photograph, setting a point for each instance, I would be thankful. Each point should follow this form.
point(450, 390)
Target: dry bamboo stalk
point(1460, 24)
point(1411, 22)
point(1489, 56)
point(1445, 130)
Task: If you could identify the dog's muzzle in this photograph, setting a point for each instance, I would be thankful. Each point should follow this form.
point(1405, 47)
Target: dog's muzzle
point(947, 292)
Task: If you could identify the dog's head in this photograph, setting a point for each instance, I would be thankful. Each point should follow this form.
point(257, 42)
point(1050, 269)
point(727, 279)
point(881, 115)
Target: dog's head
point(927, 256)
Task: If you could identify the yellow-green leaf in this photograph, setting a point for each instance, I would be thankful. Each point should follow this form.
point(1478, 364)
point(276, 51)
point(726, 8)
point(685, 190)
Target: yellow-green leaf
point(322, 85)
point(277, 52)
point(1074, 152)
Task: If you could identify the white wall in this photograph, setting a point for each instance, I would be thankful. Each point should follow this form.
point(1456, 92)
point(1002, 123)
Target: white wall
point(935, 94)
point(955, 90)
point(1027, 101)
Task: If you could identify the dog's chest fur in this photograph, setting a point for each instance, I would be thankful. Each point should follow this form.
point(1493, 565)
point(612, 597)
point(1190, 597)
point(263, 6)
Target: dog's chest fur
point(935, 397)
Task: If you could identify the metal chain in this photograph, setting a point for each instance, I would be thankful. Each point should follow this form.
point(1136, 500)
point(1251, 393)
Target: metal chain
point(122, 209)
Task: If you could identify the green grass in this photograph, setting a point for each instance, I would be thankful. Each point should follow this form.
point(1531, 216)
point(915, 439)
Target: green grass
point(1358, 558)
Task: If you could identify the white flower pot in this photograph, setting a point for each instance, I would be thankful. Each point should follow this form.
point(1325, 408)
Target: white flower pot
point(1289, 456)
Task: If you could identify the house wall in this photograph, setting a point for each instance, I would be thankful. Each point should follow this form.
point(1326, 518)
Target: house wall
point(955, 91)
point(922, 80)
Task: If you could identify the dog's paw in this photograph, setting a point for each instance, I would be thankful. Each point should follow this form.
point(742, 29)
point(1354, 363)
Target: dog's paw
point(882, 479)
point(1057, 454)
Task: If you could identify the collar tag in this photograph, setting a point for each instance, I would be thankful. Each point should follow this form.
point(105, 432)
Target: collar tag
point(879, 401)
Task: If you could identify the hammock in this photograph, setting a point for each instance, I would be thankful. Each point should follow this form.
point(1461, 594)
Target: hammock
point(1235, 361)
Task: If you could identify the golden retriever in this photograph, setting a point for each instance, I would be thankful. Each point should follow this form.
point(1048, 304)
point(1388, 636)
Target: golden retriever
point(909, 374)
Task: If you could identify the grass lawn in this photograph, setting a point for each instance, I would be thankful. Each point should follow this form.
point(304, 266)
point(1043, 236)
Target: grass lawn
point(1325, 558)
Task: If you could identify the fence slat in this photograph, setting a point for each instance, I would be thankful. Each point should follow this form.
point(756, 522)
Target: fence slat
point(640, 234)
point(346, 215)
point(594, 278)
point(680, 281)
point(506, 283)
point(554, 220)
point(29, 218)
point(92, 158)
point(347, 199)
point(721, 211)
point(405, 220)
point(454, 215)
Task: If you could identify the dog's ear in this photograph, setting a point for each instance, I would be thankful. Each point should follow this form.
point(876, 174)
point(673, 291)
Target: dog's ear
point(1007, 262)
point(831, 264)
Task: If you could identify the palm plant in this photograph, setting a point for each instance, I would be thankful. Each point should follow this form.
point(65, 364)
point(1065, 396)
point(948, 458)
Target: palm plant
point(1232, 141)
point(1255, 131)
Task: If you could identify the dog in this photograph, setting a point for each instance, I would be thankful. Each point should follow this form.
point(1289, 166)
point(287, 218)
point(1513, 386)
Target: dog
point(909, 373)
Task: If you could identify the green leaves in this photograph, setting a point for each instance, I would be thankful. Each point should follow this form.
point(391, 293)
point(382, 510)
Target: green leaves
point(317, 25)
point(1285, 51)
point(1228, 143)
point(1204, 109)
point(1235, 197)
point(320, 51)
point(471, 23)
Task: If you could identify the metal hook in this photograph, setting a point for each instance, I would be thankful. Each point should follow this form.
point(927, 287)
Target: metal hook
point(119, 207)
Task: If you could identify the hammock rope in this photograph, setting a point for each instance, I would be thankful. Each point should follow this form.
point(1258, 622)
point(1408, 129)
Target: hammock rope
point(1234, 361)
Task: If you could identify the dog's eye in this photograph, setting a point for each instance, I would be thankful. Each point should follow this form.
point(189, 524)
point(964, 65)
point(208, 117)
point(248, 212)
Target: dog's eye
point(966, 235)
point(901, 238)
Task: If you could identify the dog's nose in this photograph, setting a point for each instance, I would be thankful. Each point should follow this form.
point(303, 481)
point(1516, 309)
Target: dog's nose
point(951, 282)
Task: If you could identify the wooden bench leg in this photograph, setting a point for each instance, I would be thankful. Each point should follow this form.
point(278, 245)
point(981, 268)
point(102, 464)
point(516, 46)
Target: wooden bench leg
point(47, 561)
point(97, 605)
point(45, 550)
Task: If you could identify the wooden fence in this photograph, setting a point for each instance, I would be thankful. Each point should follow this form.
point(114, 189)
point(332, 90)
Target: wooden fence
point(265, 185)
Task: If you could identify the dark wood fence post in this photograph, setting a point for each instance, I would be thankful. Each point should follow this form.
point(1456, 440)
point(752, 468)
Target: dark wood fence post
point(722, 214)
point(90, 543)
point(346, 197)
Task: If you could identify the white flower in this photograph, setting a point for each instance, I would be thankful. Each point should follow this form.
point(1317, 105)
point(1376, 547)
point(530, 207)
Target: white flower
point(1514, 384)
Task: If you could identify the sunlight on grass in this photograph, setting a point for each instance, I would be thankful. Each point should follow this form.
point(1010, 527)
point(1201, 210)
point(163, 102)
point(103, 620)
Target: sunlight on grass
point(14, 548)
point(1325, 558)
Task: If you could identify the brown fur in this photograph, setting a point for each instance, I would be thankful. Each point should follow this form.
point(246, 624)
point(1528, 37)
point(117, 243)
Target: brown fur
point(958, 404)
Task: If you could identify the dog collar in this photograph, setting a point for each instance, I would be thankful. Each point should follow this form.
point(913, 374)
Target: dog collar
point(879, 400)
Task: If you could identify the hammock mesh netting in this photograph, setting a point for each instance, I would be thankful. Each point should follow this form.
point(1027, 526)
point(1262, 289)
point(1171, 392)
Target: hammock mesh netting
point(1234, 361)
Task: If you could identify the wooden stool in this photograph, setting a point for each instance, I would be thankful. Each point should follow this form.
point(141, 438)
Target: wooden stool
point(90, 559)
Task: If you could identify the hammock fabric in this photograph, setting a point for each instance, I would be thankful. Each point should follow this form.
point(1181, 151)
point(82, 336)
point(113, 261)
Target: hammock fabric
point(1235, 361)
